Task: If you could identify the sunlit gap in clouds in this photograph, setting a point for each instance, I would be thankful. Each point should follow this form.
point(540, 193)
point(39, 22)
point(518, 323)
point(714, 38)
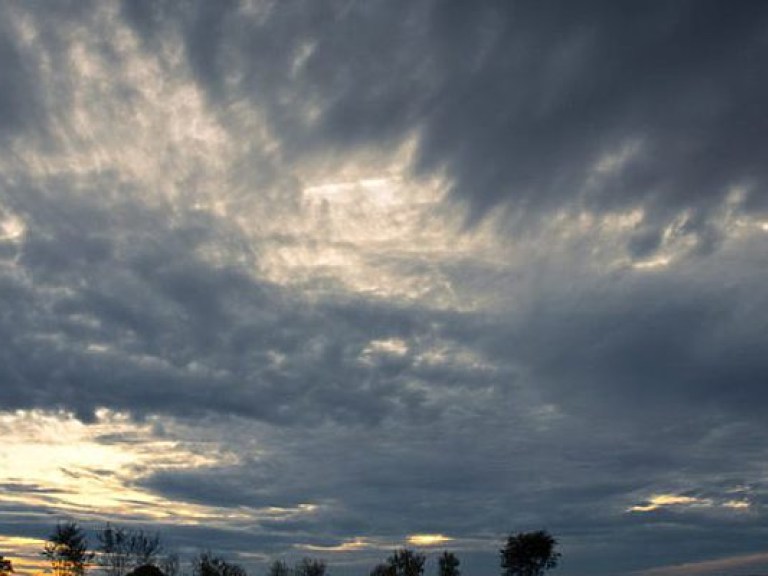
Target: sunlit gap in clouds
point(428, 539)
point(89, 468)
point(369, 226)
point(159, 137)
point(359, 221)
point(725, 502)
point(54, 466)
point(11, 227)
point(25, 553)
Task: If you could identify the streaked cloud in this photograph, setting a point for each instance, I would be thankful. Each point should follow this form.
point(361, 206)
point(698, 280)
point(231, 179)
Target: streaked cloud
point(660, 500)
point(298, 277)
point(428, 539)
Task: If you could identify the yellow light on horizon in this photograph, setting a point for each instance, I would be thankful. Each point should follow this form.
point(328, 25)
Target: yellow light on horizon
point(24, 553)
point(428, 539)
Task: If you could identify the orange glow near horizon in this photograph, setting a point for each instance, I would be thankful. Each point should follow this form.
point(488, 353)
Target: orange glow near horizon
point(24, 554)
point(53, 464)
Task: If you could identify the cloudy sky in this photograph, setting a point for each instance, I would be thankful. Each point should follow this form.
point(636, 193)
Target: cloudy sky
point(287, 278)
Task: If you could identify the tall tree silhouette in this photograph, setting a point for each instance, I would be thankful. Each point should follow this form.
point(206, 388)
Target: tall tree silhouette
point(309, 567)
point(448, 565)
point(67, 550)
point(278, 568)
point(113, 550)
point(406, 562)
point(529, 554)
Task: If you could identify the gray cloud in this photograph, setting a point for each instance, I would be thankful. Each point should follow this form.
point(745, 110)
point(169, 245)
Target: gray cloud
point(599, 345)
point(532, 108)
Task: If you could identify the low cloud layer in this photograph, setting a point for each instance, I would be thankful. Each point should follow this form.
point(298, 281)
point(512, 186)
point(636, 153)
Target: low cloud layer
point(320, 277)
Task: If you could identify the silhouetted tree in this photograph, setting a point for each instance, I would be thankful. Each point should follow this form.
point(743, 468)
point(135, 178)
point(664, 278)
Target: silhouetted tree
point(448, 565)
point(310, 567)
point(383, 569)
point(6, 567)
point(144, 547)
point(170, 565)
point(146, 570)
point(529, 554)
point(278, 568)
point(113, 550)
point(67, 550)
point(207, 564)
point(121, 550)
point(406, 562)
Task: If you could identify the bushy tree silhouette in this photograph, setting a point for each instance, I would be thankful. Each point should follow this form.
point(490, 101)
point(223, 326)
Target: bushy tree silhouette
point(208, 564)
point(67, 550)
point(448, 565)
point(310, 567)
point(406, 562)
point(120, 550)
point(146, 570)
point(529, 554)
point(278, 568)
point(6, 567)
point(383, 569)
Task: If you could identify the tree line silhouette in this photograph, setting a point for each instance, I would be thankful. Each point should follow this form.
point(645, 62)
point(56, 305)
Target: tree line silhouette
point(137, 552)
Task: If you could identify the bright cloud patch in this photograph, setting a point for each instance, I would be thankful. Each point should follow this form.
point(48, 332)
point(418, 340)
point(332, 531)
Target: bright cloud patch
point(661, 500)
point(428, 539)
point(79, 469)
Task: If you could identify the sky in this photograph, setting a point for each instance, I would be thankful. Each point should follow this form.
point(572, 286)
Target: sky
point(327, 278)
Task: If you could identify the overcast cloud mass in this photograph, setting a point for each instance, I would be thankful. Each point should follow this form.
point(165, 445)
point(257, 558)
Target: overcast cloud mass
point(287, 278)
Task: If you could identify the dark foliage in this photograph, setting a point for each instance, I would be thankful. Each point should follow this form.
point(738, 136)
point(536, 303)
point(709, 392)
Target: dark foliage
point(405, 562)
point(278, 568)
point(146, 570)
point(310, 567)
point(448, 565)
point(207, 564)
point(67, 550)
point(529, 554)
point(383, 569)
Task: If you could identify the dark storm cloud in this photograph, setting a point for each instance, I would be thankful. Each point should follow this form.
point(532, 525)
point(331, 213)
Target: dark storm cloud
point(138, 321)
point(496, 465)
point(550, 88)
point(521, 102)
point(576, 480)
point(676, 341)
point(25, 99)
